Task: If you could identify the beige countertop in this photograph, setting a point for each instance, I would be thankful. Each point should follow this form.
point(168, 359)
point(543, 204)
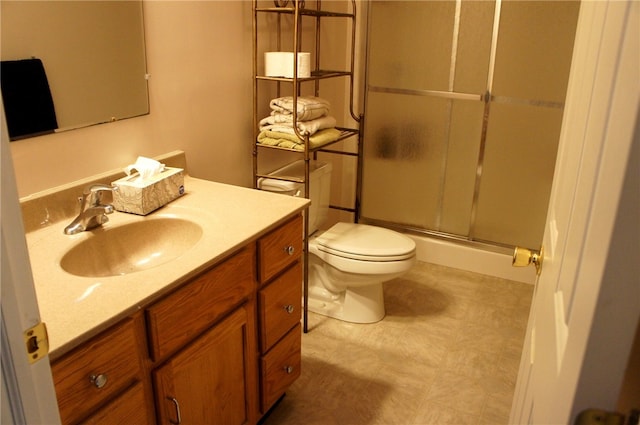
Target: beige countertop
point(76, 308)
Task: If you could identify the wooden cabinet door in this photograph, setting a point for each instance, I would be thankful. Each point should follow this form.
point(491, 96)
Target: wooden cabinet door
point(208, 382)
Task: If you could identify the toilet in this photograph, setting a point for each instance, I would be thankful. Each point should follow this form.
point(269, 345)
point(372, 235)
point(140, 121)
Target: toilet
point(348, 262)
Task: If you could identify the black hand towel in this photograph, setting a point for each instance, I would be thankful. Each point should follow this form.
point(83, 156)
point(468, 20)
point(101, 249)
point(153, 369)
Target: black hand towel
point(28, 104)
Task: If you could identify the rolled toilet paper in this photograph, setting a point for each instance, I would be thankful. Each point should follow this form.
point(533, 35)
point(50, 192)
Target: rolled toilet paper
point(280, 64)
point(304, 67)
point(274, 64)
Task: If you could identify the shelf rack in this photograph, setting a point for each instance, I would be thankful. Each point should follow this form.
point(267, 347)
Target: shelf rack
point(296, 12)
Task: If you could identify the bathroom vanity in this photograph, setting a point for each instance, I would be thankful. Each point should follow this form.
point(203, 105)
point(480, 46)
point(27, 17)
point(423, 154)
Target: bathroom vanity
point(211, 336)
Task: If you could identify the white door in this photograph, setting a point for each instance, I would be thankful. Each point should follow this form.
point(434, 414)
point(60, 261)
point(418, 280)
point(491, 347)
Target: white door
point(587, 299)
point(27, 392)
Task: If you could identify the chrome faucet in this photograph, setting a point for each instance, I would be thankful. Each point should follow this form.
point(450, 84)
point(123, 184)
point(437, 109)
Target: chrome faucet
point(93, 212)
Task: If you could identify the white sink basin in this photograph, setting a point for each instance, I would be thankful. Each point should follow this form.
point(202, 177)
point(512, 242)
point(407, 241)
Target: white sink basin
point(132, 247)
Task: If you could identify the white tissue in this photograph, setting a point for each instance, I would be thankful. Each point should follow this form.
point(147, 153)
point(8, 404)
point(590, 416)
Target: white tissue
point(146, 168)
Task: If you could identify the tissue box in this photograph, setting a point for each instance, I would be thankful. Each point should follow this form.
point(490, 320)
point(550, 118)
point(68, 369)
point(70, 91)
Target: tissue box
point(143, 197)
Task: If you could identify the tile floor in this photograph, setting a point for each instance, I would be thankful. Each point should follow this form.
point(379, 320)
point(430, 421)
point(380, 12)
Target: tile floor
point(447, 352)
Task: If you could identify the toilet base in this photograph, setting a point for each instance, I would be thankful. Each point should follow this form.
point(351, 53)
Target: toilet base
point(363, 304)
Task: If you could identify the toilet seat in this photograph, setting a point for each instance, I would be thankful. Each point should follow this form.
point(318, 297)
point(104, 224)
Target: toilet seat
point(365, 243)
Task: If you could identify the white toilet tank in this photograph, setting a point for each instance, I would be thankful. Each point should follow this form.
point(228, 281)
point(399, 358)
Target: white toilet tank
point(319, 187)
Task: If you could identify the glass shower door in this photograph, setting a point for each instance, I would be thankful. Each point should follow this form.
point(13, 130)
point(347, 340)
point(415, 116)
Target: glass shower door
point(454, 115)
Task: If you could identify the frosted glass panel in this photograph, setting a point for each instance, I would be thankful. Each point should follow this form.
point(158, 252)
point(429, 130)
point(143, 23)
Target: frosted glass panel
point(474, 46)
point(422, 160)
point(461, 164)
point(535, 43)
point(520, 154)
point(417, 169)
point(411, 44)
point(402, 165)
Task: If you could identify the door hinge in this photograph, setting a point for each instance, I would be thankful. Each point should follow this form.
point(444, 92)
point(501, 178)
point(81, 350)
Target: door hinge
point(36, 342)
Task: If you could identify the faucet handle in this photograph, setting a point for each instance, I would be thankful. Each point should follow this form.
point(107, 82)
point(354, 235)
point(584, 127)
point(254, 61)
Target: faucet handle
point(97, 188)
point(92, 194)
point(99, 210)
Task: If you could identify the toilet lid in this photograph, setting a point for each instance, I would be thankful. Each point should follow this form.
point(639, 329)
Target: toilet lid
point(363, 242)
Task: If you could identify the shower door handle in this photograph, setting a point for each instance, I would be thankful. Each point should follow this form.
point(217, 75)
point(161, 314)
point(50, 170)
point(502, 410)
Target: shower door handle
point(522, 257)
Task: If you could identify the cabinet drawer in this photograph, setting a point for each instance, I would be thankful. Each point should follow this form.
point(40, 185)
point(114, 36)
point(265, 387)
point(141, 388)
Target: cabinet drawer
point(279, 248)
point(112, 355)
point(280, 367)
point(193, 308)
point(280, 304)
point(128, 408)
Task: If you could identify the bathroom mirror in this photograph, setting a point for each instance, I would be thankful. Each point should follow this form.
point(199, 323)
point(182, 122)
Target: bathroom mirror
point(92, 58)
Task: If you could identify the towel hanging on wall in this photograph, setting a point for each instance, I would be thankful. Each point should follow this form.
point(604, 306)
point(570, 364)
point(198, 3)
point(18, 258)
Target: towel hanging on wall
point(28, 104)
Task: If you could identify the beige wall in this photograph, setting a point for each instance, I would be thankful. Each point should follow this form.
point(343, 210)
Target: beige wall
point(199, 57)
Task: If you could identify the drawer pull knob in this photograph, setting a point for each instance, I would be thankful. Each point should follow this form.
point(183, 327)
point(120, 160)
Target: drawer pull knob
point(290, 250)
point(289, 308)
point(288, 369)
point(177, 406)
point(99, 381)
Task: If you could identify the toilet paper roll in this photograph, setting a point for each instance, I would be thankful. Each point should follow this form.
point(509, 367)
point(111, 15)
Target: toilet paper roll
point(304, 67)
point(280, 64)
point(274, 64)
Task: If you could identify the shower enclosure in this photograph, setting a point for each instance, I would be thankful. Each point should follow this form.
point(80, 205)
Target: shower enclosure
point(464, 102)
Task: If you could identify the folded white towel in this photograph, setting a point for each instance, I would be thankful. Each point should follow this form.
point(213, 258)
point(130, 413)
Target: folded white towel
point(276, 118)
point(304, 127)
point(308, 107)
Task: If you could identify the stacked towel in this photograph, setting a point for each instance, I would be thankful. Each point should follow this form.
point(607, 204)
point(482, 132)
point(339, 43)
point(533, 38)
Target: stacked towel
point(309, 107)
point(312, 114)
point(312, 119)
point(289, 141)
point(304, 127)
